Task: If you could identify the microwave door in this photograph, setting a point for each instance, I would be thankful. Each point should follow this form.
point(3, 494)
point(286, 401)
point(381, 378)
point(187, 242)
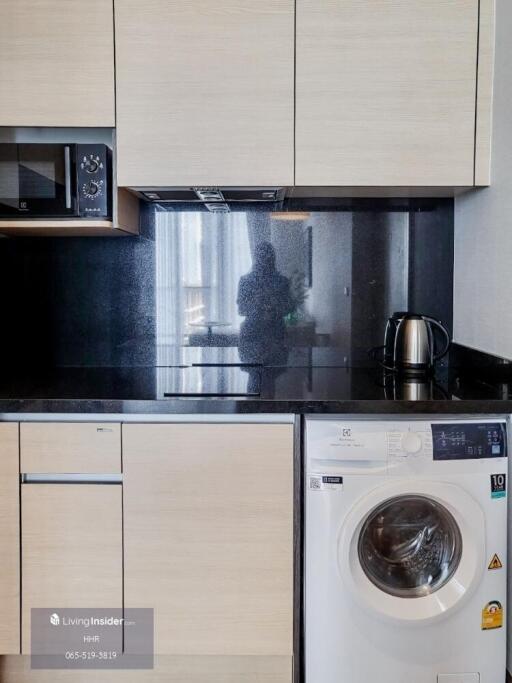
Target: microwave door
point(9, 180)
point(43, 181)
point(47, 179)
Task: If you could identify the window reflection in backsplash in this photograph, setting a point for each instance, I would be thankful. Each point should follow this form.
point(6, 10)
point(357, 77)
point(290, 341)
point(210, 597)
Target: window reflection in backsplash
point(250, 287)
point(256, 287)
point(200, 258)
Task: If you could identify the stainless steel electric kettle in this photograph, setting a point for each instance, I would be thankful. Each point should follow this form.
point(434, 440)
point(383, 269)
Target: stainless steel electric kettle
point(410, 344)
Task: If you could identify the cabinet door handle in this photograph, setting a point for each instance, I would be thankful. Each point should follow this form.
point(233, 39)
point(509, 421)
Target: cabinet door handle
point(71, 478)
point(67, 175)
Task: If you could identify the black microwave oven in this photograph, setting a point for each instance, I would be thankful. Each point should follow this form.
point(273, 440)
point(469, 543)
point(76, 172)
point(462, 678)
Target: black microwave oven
point(55, 181)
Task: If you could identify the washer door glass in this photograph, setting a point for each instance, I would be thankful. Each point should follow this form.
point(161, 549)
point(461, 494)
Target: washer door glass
point(410, 546)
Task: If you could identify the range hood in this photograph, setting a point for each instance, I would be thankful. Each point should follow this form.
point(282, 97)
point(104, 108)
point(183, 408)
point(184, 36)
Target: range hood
point(214, 199)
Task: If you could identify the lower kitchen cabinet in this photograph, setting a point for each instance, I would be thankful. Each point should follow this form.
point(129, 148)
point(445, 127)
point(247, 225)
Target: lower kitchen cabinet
point(9, 540)
point(208, 515)
point(71, 548)
point(166, 670)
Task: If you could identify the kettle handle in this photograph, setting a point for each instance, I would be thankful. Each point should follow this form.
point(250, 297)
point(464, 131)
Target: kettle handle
point(446, 336)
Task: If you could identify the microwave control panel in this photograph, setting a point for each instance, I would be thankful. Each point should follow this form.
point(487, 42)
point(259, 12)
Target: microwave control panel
point(93, 170)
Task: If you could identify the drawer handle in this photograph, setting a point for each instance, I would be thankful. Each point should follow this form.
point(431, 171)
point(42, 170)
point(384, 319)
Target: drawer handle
point(71, 478)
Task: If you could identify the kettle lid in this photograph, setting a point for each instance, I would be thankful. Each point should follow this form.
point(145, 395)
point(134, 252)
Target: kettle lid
point(398, 315)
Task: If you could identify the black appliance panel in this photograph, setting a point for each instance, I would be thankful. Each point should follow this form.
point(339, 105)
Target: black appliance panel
point(93, 176)
point(469, 441)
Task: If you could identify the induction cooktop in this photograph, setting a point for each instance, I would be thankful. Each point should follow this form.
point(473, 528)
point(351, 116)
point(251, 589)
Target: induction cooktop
point(209, 381)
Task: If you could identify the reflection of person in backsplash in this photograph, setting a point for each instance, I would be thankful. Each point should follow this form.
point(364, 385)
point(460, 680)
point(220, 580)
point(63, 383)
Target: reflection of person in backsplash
point(264, 298)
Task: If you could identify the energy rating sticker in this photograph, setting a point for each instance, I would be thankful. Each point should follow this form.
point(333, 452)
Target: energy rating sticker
point(495, 563)
point(498, 485)
point(492, 615)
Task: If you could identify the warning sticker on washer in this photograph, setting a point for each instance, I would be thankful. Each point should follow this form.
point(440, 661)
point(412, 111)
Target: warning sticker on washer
point(492, 615)
point(322, 482)
point(495, 563)
point(498, 485)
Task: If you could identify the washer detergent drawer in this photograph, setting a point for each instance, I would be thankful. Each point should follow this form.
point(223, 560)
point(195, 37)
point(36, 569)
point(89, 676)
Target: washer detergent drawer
point(458, 678)
point(338, 447)
point(346, 441)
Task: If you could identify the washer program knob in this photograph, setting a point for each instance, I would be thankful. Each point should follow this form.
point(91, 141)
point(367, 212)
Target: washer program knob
point(411, 442)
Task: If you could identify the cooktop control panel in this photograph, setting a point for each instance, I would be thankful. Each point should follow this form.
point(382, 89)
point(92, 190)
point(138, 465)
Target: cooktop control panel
point(467, 441)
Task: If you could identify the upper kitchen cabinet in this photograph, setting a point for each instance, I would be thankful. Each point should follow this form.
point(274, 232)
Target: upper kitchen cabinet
point(56, 63)
point(204, 92)
point(386, 92)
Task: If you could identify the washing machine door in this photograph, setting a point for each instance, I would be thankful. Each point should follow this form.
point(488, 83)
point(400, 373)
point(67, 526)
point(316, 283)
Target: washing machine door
point(410, 546)
point(414, 554)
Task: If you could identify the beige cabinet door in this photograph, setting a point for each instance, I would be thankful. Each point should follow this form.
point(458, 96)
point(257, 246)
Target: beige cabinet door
point(385, 92)
point(204, 92)
point(56, 63)
point(208, 513)
point(71, 548)
point(9, 540)
point(72, 447)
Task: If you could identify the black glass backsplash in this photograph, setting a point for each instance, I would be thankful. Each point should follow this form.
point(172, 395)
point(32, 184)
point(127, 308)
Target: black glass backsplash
point(312, 287)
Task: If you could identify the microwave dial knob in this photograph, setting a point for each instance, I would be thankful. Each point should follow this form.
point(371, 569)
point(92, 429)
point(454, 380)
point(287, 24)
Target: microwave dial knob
point(90, 164)
point(91, 190)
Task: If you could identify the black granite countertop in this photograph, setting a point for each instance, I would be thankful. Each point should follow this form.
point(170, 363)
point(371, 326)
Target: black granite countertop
point(236, 390)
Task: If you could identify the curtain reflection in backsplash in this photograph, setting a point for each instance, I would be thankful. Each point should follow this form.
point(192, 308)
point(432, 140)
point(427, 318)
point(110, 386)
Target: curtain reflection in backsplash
point(200, 258)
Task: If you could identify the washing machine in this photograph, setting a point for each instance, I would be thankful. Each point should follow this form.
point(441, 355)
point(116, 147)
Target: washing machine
point(405, 550)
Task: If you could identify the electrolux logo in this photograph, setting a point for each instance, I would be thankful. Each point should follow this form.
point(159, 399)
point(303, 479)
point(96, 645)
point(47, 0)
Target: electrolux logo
point(346, 432)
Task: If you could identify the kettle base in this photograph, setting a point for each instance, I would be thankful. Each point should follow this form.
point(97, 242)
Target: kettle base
point(414, 370)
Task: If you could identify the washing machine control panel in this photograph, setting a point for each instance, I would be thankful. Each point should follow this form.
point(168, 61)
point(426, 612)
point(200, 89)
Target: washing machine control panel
point(468, 441)
point(400, 445)
point(410, 443)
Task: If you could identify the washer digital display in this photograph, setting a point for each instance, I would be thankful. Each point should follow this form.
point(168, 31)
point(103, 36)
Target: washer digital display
point(467, 441)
